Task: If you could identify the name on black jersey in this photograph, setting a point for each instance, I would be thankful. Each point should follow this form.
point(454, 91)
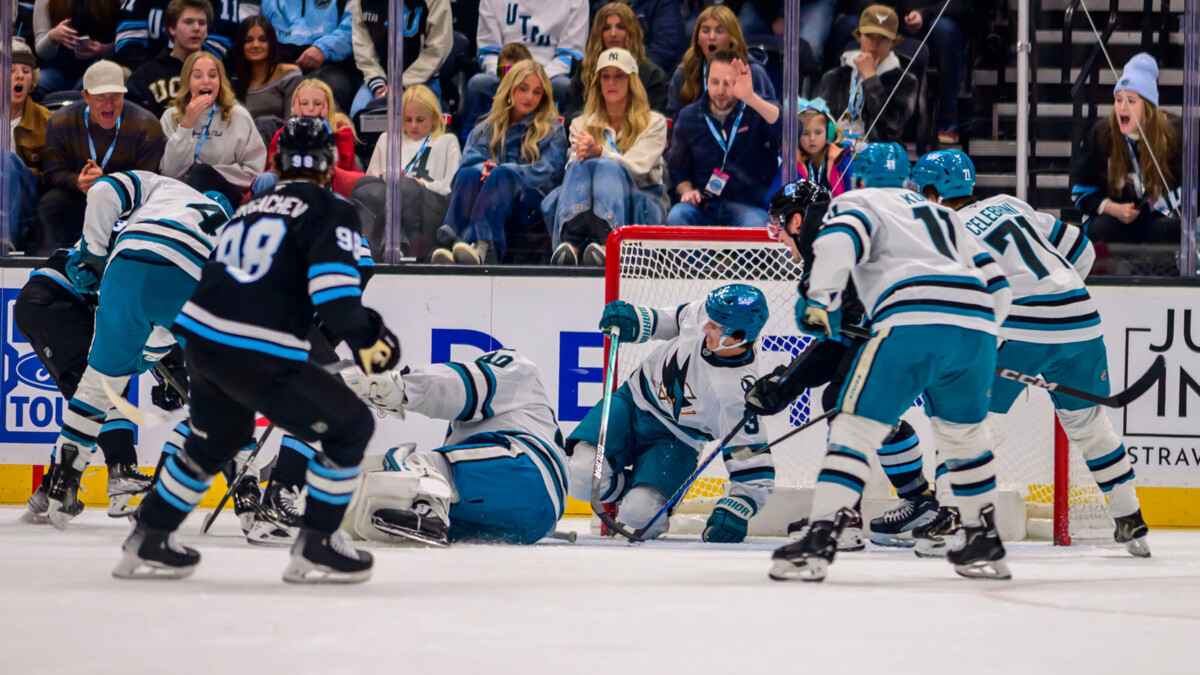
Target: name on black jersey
point(274, 204)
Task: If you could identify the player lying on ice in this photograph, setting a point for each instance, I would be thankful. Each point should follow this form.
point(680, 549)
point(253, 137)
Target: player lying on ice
point(686, 393)
point(934, 303)
point(501, 477)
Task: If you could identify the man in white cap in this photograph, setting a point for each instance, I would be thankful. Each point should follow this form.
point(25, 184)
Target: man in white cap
point(99, 135)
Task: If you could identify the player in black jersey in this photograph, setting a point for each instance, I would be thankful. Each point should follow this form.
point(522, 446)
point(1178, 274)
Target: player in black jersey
point(286, 253)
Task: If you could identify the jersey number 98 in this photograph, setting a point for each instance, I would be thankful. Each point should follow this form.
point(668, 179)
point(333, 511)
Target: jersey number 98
point(247, 252)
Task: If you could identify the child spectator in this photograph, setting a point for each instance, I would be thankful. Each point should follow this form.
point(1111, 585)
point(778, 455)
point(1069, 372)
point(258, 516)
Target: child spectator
point(614, 174)
point(615, 27)
point(260, 80)
point(717, 30)
point(430, 158)
point(69, 36)
point(512, 159)
point(554, 31)
point(155, 85)
point(28, 120)
point(317, 37)
point(211, 140)
point(824, 155)
point(140, 33)
point(428, 38)
point(1116, 182)
point(725, 150)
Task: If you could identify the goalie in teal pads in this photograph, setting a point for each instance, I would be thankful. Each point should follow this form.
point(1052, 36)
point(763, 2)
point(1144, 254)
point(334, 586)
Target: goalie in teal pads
point(688, 392)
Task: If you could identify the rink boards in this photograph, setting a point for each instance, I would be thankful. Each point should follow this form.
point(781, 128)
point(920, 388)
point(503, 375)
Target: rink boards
point(552, 319)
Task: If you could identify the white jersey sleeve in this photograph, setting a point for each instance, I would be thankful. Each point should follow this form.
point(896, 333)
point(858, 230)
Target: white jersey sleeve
point(1070, 241)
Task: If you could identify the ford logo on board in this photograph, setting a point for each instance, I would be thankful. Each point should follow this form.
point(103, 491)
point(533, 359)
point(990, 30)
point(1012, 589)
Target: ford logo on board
point(31, 371)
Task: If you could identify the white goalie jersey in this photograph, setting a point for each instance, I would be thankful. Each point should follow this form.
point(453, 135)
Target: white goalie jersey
point(1051, 304)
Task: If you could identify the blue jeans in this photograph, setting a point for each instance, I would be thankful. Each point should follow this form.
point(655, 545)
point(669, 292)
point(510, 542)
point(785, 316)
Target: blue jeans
point(492, 209)
point(51, 80)
point(365, 96)
point(816, 20)
point(603, 187)
point(23, 195)
point(481, 89)
point(733, 214)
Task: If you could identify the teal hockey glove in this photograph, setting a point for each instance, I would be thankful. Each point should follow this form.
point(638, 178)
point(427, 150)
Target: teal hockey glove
point(817, 320)
point(84, 270)
point(635, 322)
point(728, 522)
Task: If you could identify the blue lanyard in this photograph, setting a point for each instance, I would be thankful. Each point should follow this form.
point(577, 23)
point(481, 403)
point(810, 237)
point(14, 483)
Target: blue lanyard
point(417, 157)
point(611, 143)
point(705, 77)
point(204, 135)
point(1138, 185)
point(815, 174)
point(856, 96)
point(725, 146)
point(87, 123)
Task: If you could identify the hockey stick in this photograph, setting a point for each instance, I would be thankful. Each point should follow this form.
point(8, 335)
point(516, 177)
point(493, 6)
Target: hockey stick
point(237, 479)
point(614, 342)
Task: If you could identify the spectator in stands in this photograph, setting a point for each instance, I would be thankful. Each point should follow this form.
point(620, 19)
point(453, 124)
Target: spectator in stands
point(28, 120)
point(554, 31)
point(141, 34)
point(512, 159)
point(1116, 181)
point(428, 38)
point(211, 140)
point(824, 155)
point(615, 27)
point(155, 84)
point(765, 17)
point(717, 30)
point(70, 36)
point(725, 150)
point(317, 36)
point(259, 79)
point(101, 134)
point(662, 26)
point(857, 90)
point(614, 174)
point(430, 158)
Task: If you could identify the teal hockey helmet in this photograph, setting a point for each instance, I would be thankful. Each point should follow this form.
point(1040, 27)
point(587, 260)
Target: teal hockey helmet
point(738, 308)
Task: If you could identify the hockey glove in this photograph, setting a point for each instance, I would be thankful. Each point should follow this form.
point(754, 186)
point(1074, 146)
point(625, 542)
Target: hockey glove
point(635, 322)
point(770, 394)
point(383, 392)
point(383, 353)
point(817, 320)
point(84, 270)
point(728, 522)
point(163, 394)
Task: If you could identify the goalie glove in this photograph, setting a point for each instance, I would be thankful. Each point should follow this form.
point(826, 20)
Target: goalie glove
point(84, 270)
point(635, 323)
point(728, 523)
point(383, 353)
point(817, 320)
point(383, 391)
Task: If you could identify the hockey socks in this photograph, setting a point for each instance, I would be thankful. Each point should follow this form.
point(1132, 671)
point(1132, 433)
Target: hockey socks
point(178, 489)
point(973, 482)
point(1114, 475)
point(116, 440)
point(844, 471)
point(290, 467)
point(330, 489)
point(902, 462)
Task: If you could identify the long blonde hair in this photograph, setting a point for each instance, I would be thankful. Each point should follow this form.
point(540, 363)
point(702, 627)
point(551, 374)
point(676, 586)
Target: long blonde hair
point(543, 116)
point(693, 59)
point(225, 98)
point(1159, 137)
point(423, 96)
point(637, 112)
point(337, 121)
point(595, 44)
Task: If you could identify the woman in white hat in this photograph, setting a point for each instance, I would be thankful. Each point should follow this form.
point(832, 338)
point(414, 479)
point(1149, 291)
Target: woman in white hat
point(614, 173)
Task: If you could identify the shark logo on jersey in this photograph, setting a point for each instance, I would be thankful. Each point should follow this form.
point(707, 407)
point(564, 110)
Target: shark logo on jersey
point(674, 389)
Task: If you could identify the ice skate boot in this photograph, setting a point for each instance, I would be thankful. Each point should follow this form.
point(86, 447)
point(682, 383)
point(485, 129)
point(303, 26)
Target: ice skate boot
point(981, 555)
point(935, 537)
point(64, 489)
point(247, 500)
point(808, 558)
point(849, 541)
point(149, 553)
point(319, 558)
point(126, 481)
point(888, 529)
point(1131, 531)
point(424, 524)
point(278, 520)
point(39, 501)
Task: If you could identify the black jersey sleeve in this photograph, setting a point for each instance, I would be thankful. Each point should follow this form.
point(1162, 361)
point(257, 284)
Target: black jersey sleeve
point(331, 250)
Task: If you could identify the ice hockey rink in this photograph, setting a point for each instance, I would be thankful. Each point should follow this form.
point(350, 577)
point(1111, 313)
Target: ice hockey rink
point(595, 606)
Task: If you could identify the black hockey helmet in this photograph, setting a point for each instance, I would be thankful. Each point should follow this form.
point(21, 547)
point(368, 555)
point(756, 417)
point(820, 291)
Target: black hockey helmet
point(793, 198)
point(307, 144)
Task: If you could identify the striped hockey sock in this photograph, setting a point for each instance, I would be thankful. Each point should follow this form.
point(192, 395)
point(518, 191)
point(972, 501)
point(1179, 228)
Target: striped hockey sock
point(116, 440)
point(178, 488)
point(294, 456)
point(844, 474)
point(973, 482)
point(330, 489)
point(902, 462)
point(1114, 475)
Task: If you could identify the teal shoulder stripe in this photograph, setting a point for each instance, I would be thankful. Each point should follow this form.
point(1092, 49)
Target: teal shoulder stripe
point(491, 392)
point(468, 388)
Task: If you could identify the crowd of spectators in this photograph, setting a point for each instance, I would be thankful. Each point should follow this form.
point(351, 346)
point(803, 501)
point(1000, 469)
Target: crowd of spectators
point(574, 117)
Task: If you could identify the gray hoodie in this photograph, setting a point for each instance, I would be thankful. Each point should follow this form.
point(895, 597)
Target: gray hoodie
point(234, 149)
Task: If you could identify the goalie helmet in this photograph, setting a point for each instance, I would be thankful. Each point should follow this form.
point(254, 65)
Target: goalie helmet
point(882, 165)
point(950, 172)
point(738, 308)
point(307, 144)
point(793, 198)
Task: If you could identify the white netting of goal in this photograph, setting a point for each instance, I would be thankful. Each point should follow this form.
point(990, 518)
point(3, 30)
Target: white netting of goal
point(659, 272)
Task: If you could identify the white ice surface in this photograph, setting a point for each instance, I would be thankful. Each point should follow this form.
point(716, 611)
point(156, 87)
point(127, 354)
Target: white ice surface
point(591, 607)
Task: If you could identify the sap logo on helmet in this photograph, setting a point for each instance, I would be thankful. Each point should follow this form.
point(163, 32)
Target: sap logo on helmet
point(745, 301)
point(890, 164)
point(31, 371)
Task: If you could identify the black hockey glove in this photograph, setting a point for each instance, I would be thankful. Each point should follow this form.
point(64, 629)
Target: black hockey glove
point(383, 353)
point(770, 394)
point(163, 394)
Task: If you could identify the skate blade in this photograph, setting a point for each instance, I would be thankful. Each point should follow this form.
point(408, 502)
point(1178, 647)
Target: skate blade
point(57, 517)
point(851, 541)
point(810, 569)
point(985, 569)
point(122, 506)
point(34, 518)
point(892, 540)
point(268, 534)
point(1138, 548)
point(301, 571)
point(133, 567)
point(931, 548)
point(246, 520)
point(410, 537)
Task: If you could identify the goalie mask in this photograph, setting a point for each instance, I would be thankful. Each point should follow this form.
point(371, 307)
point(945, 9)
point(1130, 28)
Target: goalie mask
point(738, 308)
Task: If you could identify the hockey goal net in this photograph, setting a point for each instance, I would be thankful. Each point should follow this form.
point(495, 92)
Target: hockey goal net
point(1047, 487)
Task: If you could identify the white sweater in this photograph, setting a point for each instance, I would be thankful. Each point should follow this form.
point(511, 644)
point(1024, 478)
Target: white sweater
point(436, 170)
point(235, 150)
point(643, 161)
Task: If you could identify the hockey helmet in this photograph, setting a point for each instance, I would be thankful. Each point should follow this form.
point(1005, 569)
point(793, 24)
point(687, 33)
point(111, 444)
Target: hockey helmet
point(950, 172)
point(222, 201)
point(307, 144)
point(793, 198)
point(882, 165)
point(738, 308)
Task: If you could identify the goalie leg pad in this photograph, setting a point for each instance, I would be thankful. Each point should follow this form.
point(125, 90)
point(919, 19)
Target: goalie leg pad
point(397, 481)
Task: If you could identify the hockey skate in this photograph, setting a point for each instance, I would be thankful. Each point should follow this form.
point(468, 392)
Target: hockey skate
point(247, 500)
point(424, 524)
point(278, 520)
point(1131, 532)
point(39, 501)
point(154, 554)
point(981, 555)
point(808, 558)
point(125, 481)
point(849, 541)
point(934, 537)
point(64, 503)
point(888, 529)
point(319, 558)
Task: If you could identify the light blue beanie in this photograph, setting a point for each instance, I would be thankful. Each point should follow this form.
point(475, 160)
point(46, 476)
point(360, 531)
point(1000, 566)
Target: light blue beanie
point(1140, 77)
